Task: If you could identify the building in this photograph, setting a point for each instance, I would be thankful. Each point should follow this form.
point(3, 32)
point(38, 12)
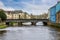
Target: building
point(28, 16)
point(53, 12)
point(11, 15)
point(44, 16)
point(58, 17)
point(17, 14)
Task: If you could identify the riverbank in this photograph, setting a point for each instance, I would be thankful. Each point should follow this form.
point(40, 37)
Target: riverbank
point(2, 26)
point(55, 25)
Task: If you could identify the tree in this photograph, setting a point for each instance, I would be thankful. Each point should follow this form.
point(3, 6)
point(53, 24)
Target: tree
point(2, 15)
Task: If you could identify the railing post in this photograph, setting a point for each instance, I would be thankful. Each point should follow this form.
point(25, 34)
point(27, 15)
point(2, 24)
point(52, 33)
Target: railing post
point(33, 23)
point(20, 24)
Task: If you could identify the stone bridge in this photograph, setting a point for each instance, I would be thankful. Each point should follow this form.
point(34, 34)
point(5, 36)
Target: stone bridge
point(33, 21)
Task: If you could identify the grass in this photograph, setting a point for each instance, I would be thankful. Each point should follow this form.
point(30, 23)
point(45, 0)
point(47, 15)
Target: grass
point(2, 26)
point(11, 23)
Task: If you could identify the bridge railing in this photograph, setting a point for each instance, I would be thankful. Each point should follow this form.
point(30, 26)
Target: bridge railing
point(26, 20)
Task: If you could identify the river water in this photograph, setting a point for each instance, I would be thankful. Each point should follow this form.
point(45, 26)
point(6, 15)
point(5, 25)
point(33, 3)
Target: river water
point(30, 33)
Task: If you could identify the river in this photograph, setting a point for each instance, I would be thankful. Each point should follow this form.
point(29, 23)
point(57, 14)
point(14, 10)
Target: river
point(30, 33)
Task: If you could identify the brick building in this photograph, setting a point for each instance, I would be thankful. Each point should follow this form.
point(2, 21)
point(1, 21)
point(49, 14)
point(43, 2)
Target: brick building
point(58, 17)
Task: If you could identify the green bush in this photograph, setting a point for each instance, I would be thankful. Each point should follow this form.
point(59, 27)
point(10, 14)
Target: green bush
point(11, 23)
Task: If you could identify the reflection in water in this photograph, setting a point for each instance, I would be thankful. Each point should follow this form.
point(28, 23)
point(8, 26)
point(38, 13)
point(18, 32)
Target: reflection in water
point(30, 33)
point(2, 35)
point(2, 32)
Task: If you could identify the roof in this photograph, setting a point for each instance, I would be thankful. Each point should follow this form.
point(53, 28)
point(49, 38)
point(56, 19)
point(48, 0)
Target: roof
point(15, 12)
point(54, 5)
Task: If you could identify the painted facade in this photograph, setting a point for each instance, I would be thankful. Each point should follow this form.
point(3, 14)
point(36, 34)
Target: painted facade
point(58, 7)
point(53, 12)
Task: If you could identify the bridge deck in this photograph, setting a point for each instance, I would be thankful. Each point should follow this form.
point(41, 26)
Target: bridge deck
point(26, 20)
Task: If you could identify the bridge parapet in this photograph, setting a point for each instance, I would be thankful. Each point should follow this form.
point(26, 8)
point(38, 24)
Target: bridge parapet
point(26, 20)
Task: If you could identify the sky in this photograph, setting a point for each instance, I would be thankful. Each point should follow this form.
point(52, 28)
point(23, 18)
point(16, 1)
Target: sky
point(34, 7)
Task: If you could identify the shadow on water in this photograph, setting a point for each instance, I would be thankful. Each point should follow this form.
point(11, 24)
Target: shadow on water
point(55, 33)
point(26, 25)
point(2, 32)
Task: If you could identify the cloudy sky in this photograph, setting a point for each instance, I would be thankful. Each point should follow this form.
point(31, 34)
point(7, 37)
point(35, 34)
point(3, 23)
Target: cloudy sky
point(31, 6)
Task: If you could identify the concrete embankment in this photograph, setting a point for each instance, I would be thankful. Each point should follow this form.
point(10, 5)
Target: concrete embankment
point(56, 25)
